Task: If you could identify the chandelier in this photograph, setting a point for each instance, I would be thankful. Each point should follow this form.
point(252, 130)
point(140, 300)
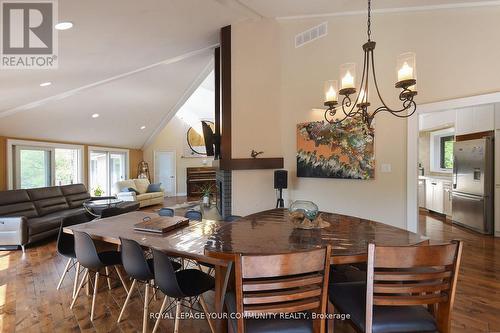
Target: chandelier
point(357, 108)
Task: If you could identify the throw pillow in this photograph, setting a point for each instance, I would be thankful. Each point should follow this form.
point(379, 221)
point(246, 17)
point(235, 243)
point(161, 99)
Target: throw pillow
point(154, 188)
point(130, 189)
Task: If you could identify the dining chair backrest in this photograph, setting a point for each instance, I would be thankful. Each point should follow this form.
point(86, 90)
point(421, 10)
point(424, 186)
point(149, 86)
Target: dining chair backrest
point(232, 218)
point(86, 252)
point(66, 241)
point(165, 277)
point(413, 275)
point(166, 212)
point(134, 261)
point(282, 283)
point(193, 215)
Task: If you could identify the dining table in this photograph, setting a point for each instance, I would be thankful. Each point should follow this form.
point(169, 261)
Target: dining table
point(267, 232)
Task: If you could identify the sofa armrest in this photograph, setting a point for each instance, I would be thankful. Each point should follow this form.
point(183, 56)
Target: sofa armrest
point(127, 196)
point(13, 230)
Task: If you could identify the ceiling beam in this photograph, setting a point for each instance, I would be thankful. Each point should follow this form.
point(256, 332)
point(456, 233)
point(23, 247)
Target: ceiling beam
point(395, 10)
point(72, 92)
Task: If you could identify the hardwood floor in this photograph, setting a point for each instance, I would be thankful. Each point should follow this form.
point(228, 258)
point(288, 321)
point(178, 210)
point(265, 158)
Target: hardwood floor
point(29, 301)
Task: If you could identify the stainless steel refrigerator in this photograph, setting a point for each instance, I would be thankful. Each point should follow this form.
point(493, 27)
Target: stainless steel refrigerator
point(473, 184)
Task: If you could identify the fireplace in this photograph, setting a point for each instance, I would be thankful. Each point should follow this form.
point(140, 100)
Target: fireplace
point(223, 181)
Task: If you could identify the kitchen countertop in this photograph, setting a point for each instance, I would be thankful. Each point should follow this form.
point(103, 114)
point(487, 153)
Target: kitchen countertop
point(442, 178)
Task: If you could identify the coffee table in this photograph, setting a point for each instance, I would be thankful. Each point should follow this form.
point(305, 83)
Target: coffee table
point(96, 206)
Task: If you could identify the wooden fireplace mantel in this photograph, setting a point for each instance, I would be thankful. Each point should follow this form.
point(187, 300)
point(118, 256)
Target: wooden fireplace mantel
point(222, 69)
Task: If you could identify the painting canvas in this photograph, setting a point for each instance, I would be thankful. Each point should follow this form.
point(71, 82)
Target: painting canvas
point(342, 150)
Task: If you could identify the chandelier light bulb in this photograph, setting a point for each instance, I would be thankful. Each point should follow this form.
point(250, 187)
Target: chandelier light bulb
point(331, 87)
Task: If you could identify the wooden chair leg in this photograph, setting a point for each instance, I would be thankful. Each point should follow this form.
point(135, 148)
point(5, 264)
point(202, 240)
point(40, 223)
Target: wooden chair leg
point(108, 278)
point(330, 322)
point(207, 314)
point(162, 308)
point(146, 309)
point(77, 274)
point(84, 279)
point(87, 286)
point(127, 300)
point(94, 296)
point(64, 273)
point(121, 278)
point(177, 315)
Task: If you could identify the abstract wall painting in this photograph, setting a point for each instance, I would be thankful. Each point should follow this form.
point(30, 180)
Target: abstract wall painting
point(344, 150)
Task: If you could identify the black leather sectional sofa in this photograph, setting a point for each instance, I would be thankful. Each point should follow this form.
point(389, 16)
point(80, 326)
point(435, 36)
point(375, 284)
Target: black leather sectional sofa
point(27, 216)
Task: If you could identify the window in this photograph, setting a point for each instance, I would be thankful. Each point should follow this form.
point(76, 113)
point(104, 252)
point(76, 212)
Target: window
point(441, 150)
point(107, 166)
point(33, 164)
point(446, 152)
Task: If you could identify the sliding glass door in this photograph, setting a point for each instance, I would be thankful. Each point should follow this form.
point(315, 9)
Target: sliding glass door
point(106, 167)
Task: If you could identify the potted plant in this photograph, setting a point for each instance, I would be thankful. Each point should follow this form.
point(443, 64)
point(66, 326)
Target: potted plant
point(98, 191)
point(206, 192)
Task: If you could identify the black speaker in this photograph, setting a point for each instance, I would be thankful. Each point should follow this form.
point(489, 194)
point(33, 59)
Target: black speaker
point(280, 179)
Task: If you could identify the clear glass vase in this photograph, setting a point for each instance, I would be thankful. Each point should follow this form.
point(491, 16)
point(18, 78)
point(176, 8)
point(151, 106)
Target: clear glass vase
point(309, 208)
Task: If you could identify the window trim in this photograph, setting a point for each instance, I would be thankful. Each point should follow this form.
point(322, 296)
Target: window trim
point(435, 149)
point(40, 144)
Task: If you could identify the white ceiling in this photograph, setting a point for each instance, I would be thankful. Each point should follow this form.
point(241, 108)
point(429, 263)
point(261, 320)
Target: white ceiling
point(134, 63)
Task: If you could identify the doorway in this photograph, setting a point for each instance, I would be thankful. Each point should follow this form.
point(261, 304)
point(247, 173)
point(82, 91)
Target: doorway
point(165, 171)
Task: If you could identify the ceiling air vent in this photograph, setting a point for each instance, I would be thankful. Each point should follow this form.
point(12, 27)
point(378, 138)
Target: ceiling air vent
point(311, 34)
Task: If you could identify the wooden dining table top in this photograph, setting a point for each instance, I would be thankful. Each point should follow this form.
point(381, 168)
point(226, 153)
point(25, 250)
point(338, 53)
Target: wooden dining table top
point(267, 232)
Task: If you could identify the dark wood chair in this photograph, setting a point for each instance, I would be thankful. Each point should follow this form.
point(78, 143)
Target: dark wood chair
point(271, 285)
point(408, 289)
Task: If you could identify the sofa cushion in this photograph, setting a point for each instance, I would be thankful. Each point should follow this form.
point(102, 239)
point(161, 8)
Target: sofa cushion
point(17, 203)
point(48, 200)
point(141, 185)
point(124, 184)
point(156, 194)
point(75, 194)
point(144, 196)
point(50, 221)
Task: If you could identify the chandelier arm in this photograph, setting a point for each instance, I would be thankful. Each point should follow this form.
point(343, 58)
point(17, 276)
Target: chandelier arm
point(352, 112)
point(376, 85)
point(408, 104)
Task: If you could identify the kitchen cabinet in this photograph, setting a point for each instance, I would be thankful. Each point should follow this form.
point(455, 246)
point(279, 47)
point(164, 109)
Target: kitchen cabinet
point(447, 198)
point(421, 193)
point(434, 195)
point(475, 119)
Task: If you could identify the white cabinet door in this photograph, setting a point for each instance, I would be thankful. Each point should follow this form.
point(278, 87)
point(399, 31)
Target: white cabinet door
point(447, 199)
point(429, 194)
point(438, 197)
point(465, 121)
point(484, 118)
point(421, 193)
point(475, 119)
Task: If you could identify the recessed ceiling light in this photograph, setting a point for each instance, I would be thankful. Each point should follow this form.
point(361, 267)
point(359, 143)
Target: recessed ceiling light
point(64, 25)
point(143, 127)
point(95, 115)
point(45, 84)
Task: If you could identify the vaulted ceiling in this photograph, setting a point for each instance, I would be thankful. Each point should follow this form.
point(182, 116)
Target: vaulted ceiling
point(135, 63)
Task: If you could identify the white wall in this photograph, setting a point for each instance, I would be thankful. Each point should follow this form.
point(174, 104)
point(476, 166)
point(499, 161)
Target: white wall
point(275, 86)
point(172, 138)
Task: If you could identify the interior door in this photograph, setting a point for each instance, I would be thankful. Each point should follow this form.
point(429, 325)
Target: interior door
point(164, 162)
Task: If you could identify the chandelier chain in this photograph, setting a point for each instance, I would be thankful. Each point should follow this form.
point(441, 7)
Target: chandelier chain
point(369, 20)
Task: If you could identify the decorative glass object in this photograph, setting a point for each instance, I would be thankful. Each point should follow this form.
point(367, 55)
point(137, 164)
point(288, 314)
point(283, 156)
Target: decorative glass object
point(309, 208)
point(331, 91)
point(348, 76)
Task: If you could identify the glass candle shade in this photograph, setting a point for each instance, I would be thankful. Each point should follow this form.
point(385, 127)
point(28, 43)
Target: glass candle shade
point(363, 96)
point(407, 67)
point(348, 76)
point(331, 91)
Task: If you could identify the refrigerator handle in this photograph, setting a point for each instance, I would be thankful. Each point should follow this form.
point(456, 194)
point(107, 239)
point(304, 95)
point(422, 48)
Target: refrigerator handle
point(455, 175)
